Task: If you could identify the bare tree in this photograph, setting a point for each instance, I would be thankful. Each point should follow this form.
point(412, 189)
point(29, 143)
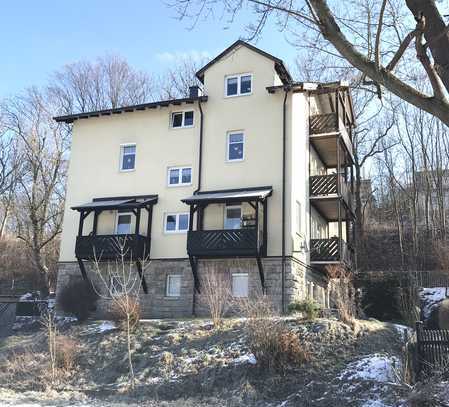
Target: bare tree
point(121, 286)
point(40, 189)
point(106, 83)
point(363, 33)
point(175, 82)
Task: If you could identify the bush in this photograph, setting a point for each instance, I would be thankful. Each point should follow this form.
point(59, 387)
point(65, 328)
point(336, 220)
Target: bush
point(124, 307)
point(66, 352)
point(270, 339)
point(309, 307)
point(79, 299)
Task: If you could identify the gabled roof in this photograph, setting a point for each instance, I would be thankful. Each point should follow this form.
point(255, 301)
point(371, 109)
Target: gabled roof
point(279, 66)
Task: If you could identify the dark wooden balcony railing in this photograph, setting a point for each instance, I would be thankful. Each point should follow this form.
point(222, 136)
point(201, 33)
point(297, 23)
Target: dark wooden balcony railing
point(109, 247)
point(325, 185)
point(229, 242)
point(330, 123)
point(323, 123)
point(328, 250)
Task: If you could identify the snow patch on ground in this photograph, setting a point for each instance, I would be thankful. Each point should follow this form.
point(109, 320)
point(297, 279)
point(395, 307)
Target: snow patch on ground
point(249, 358)
point(430, 298)
point(102, 327)
point(377, 367)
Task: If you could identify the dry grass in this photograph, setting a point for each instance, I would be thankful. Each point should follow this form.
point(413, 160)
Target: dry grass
point(124, 307)
point(216, 294)
point(271, 341)
point(343, 294)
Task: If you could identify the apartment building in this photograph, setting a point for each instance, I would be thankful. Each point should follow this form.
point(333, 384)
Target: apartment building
point(250, 177)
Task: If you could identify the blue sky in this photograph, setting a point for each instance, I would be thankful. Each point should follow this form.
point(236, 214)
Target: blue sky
point(38, 37)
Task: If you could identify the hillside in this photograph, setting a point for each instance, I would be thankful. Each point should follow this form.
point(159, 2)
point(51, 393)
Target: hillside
point(188, 363)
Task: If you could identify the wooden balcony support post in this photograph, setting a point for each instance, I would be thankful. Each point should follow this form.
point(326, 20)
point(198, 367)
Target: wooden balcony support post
point(340, 246)
point(265, 227)
point(83, 215)
point(338, 165)
point(149, 224)
point(95, 225)
point(256, 210)
point(137, 221)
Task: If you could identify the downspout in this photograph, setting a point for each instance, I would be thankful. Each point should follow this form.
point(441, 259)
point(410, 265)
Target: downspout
point(284, 142)
point(200, 154)
point(200, 161)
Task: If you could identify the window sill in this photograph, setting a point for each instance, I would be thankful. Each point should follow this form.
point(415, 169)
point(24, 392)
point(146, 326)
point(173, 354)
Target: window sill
point(127, 170)
point(172, 297)
point(182, 127)
point(179, 185)
point(238, 95)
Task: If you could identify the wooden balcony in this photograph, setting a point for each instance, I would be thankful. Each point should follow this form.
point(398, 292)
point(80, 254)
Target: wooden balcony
point(323, 130)
point(223, 243)
point(109, 247)
point(325, 186)
point(331, 250)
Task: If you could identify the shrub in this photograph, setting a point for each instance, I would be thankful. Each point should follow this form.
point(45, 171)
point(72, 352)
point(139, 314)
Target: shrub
point(66, 352)
point(124, 308)
point(309, 307)
point(79, 299)
point(216, 294)
point(271, 341)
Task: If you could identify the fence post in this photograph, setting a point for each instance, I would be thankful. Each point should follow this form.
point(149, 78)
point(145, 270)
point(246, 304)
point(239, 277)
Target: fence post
point(419, 353)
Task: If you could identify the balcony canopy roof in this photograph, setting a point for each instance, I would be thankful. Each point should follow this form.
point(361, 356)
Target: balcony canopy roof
point(230, 196)
point(124, 202)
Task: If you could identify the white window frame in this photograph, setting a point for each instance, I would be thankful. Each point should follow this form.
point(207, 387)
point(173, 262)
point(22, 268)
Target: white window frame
point(180, 183)
point(228, 138)
point(122, 154)
point(176, 215)
point(183, 126)
point(167, 285)
point(116, 221)
point(247, 286)
point(225, 215)
point(239, 80)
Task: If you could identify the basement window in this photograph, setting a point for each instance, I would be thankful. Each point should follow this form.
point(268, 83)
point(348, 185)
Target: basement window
point(173, 285)
point(240, 285)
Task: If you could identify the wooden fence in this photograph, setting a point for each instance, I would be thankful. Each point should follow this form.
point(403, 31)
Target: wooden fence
point(433, 349)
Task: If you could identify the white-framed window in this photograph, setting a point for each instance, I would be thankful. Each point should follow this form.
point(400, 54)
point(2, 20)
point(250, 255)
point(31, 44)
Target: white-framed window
point(123, 223)
point(180, 120)
point(233, 217)
point(127, 157)
point(298, 217)
point(235, 146)
point(176, 222)
point(238, 85)
point(179, 176)
point(173, 285)
point(240, 285)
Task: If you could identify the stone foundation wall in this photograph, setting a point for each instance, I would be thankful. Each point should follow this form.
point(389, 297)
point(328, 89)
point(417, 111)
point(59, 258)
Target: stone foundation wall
point(156, 304)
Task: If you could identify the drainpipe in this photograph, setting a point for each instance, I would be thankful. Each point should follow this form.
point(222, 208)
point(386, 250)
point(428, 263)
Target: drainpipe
point(200, 161)
point(284, 142)
point(200, 154)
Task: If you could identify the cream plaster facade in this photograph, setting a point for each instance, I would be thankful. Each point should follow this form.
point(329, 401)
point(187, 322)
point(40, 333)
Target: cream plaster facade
point(94, 169)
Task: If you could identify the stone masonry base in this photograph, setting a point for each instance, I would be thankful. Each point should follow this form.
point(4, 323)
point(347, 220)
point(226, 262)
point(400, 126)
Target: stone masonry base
point(300, 283)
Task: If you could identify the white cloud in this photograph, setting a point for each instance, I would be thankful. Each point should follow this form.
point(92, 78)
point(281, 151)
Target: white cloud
point(176, 55)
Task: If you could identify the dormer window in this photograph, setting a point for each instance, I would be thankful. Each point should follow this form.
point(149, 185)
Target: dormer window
point(238, 85)
point(182, 119)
